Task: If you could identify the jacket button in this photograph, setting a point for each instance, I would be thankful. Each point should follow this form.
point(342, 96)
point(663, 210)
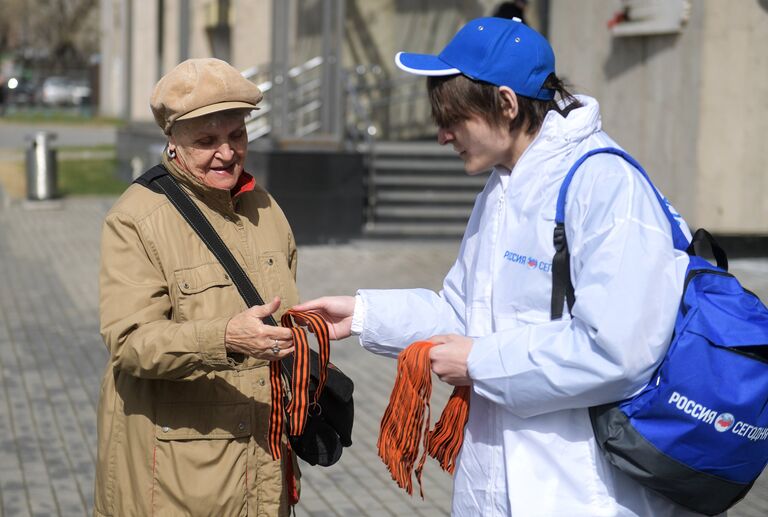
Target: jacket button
point(166, 428)
point(186, 285)
point(262, 382)
point(226, 277)
point(241, 426)
point(270, 262)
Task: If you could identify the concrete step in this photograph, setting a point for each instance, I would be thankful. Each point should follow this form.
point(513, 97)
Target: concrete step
point(407, 163)
point(440, 213)
point(421, 191)
point(436, 180)
point(431, 148)
point(420, 230)
point(426, 196)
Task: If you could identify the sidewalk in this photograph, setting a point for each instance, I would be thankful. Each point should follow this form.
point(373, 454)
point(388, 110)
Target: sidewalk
point(51, 360)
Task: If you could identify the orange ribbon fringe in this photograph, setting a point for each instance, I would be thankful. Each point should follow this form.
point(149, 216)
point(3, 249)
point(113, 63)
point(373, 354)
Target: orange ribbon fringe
point(406, 420)
point(298, 407)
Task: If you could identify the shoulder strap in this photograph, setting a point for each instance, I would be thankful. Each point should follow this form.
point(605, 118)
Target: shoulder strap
point(562, 287)
point(159, 180)
point(148, 178)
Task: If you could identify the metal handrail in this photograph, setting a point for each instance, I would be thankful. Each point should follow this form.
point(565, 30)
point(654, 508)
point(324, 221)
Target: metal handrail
point(402, 100)
point(376, 107)
point(369, 94)
point(303, 98)
point(363, 139)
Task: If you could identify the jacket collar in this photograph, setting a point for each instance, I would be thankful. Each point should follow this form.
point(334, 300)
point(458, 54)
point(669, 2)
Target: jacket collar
point(557, 132)
point(218, 199)
point(557, 136)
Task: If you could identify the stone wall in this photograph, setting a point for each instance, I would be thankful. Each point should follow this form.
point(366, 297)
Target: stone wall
point(690, 106)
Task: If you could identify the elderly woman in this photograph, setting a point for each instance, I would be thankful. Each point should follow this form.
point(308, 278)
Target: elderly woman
point(185, 400)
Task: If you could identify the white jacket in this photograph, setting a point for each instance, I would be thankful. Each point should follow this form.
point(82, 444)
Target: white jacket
point(528, 447)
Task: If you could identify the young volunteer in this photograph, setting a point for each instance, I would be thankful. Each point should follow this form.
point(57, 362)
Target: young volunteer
point(529, 447)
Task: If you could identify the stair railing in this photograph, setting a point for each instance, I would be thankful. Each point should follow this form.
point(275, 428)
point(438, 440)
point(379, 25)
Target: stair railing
point(381, 109)
point(362, 133)
point(303, 99)
point(391, 109)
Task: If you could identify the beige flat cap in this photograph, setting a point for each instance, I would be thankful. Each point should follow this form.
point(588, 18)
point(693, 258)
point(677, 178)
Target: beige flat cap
point(198, 87)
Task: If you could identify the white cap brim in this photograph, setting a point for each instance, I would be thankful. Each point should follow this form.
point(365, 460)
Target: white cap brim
point(424, 64)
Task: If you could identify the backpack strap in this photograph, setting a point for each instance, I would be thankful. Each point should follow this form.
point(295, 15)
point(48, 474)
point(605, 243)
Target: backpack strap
point(562, 287)
point(703, 237)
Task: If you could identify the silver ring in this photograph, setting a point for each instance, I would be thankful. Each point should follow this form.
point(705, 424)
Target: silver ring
point(276, 347)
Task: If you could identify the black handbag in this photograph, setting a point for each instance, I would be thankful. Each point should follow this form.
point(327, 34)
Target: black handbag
point(329, 423)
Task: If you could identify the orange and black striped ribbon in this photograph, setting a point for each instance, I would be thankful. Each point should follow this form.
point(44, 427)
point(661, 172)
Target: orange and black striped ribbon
point(276, 416)
point(297, 409)
point(405, 424)
point(318, 327)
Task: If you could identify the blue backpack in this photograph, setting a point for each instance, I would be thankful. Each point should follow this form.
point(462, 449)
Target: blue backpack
point(698, 432)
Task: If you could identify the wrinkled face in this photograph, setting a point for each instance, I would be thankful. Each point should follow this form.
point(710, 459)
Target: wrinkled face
point(481, 145)
point(212, 148)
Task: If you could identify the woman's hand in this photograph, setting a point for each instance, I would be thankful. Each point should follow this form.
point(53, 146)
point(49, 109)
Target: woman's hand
point(335, 310)
point(247, 334)
point(449, 358)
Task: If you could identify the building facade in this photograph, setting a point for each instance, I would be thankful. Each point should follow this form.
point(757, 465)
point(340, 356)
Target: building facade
point(682, 84)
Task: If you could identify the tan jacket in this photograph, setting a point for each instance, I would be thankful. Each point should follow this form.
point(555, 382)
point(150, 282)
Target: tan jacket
point(182, 427)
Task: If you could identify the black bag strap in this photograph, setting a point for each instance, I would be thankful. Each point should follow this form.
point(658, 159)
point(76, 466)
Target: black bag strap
point(702, 237)
point(562, 287)
point(159, 179)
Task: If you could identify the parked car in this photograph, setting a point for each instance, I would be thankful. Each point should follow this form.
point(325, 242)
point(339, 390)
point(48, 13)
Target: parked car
point(21, 92)
point(81, 92)
point(55, 91)
point(65, 91)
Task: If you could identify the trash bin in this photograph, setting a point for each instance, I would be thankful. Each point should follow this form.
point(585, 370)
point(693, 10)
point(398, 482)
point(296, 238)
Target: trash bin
point(41, 167)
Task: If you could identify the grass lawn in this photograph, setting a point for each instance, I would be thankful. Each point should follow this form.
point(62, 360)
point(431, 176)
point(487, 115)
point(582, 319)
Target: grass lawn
point(81, 171)
point(89, 177)
point(74, 116)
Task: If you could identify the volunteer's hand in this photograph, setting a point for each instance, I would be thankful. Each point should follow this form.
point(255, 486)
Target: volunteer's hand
point(335, 310)
point(247, 333)
point(449, 358)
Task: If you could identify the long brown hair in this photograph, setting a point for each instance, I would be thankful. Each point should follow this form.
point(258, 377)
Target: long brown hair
point(455, 98)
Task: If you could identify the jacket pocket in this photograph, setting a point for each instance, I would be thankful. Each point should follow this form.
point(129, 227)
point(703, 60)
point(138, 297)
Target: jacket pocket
point(200, 458)
point(277, 275)
point(202, 292)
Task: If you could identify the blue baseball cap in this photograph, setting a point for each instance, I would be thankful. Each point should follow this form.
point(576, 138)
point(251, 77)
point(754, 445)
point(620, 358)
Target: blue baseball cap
point(494, 50)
